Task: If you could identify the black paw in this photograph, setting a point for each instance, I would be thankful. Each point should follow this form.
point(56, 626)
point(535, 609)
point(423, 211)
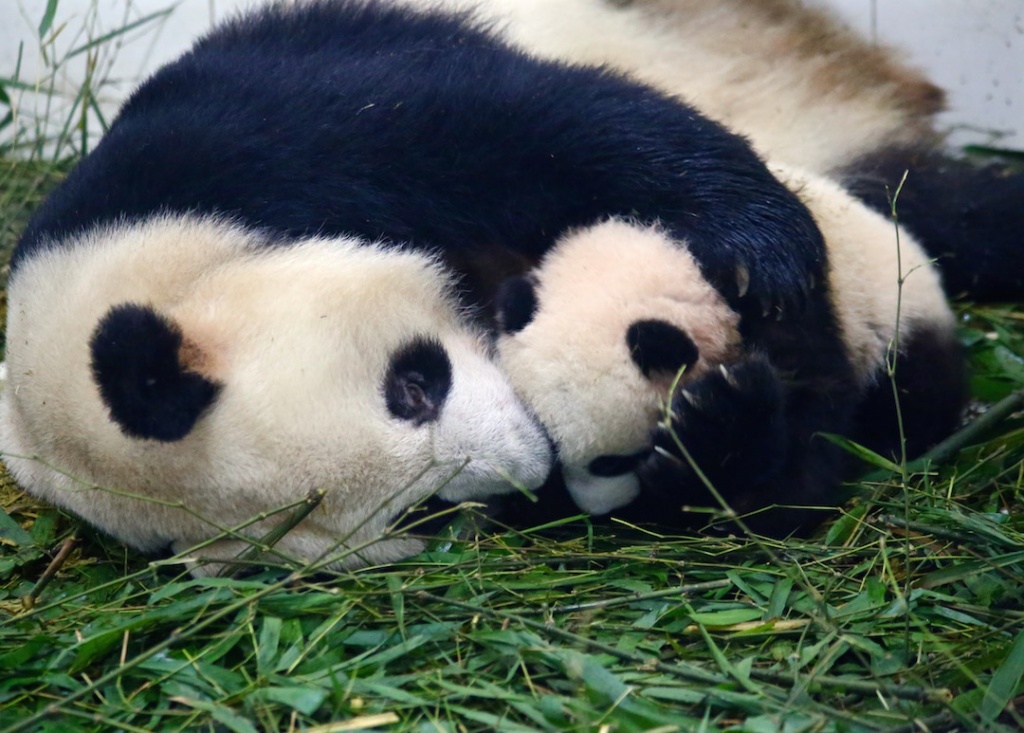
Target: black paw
point(777, 289)
point(757, 243)
point(730, 422)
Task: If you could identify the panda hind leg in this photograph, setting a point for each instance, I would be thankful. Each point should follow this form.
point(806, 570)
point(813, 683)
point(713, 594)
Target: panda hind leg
point(970, 217)
point(931, 381)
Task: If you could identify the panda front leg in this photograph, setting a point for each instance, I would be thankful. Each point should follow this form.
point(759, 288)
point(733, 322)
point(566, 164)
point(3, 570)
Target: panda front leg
point(730, 422)
point(742, 442)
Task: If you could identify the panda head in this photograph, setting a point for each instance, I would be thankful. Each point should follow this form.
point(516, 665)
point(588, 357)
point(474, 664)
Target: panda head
point(594, 339)
point(185, 361)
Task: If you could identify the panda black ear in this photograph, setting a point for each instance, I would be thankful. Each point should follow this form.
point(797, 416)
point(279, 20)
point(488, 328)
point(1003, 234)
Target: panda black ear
point(136, 362)
point(515, 304)
point(657, 346)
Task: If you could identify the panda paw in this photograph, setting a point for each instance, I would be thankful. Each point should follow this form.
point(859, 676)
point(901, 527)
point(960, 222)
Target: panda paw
point(730, 422)
point(768, 292)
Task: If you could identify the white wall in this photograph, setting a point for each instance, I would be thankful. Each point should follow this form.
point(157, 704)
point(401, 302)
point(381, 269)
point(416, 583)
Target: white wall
point(974, 49)
point(121, 61)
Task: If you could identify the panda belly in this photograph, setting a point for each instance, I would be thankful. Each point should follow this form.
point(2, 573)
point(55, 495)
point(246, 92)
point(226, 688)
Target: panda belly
point(897, 327)
point(800, 86)
point(887, 333)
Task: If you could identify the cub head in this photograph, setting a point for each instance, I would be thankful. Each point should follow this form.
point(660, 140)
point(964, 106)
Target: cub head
point(593, 340)
point(175, 377)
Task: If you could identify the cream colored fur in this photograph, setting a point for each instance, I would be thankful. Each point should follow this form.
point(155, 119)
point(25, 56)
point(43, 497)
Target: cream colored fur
point(801, 88)
point(301, 338)
point(572, 365)
point(867, 256)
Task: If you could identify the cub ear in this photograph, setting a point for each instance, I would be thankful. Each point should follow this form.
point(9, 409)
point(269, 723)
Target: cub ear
point(137, 365)
point(515, 304)
point(657, 346)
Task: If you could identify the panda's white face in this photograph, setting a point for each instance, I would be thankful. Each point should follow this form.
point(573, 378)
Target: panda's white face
point(329, 364)
point(594, 341)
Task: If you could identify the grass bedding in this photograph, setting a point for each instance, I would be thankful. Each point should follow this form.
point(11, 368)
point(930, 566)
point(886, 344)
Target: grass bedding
point(904, 614)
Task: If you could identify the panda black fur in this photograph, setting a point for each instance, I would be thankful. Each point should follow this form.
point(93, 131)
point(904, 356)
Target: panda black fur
point(611, 346)
point(806, 92)
point(245, 292)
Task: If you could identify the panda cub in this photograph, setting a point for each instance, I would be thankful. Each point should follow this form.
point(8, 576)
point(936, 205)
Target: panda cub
point(622, 349)
point(593, 339)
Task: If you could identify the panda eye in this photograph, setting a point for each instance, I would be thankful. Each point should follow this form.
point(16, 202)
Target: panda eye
point(418, 381)
point(415, 397)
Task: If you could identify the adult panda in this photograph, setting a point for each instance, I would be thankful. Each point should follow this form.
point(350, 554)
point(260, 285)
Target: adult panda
point(807, 92)
point(271, 275)
point(636, 365)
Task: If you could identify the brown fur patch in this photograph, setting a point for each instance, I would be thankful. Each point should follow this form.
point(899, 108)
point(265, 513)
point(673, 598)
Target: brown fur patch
point(847, 64)
point(194, 358)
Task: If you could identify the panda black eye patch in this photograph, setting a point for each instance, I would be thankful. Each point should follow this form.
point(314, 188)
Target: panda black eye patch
point(418, 380)
point(137, 367)
point(657, 346)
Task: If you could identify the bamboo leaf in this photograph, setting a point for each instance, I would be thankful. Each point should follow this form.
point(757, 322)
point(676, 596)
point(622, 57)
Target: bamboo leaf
point(221, 713)
point(48, 14)
point(11, 533)
point(1004, 682)
point(865, 454)
point(270, 637)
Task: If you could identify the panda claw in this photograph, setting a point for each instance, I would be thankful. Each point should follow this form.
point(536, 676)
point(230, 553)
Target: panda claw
point(689, 397)
point(728, 376)
point(742, 279)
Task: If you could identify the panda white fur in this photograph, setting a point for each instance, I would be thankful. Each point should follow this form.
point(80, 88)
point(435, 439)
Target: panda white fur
point(800, 86)
point(233, 380)
point(271, 274)
point(617, 329)
point(593, 338)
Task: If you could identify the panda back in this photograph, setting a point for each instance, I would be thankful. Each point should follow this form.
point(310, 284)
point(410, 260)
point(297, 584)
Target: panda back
point(368, 120)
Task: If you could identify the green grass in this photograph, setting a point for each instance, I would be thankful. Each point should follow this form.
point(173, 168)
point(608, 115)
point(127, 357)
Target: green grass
point(890, 620)
point(906, 613)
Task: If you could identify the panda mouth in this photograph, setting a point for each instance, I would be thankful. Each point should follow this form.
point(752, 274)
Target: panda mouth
point(609, 466)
